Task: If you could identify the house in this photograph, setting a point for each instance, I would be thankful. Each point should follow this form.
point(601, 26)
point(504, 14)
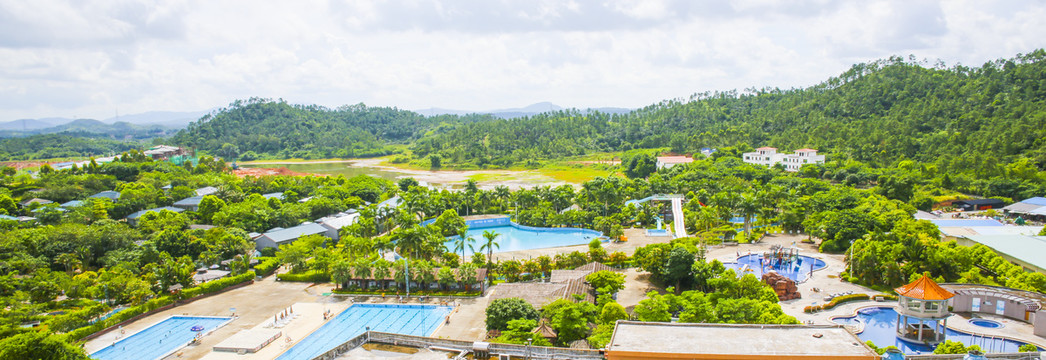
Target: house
point(392, 202)
point(72, 204)
point(708, 151)
point(1028, 251)
point(664, 162)
point(204, 191)
point(164, 152)
point(274, 195)
point(1027, 208)
point(32, 201)
point(108, 194)
point(563, 284)
point(662, 340)
point(204, 275)
point(768, 156)
point(978, 204)
point(189, 203)
point(133, 218)
point(275, 238)
point(335, 222)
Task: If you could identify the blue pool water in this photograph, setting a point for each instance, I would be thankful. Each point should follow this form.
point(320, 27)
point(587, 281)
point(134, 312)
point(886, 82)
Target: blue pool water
point(986, 323)
point(418, 320)
point(797, 270)
point(514, 237)
point(159, 339)
point(880, 324)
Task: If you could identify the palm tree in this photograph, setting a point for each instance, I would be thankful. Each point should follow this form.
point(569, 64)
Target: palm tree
point(361, 270)
point(341, 272)
point(748, 206)
point(462, 241)
point(491, 243)
point(467, 275)
point(382, 272)
point(69, 260)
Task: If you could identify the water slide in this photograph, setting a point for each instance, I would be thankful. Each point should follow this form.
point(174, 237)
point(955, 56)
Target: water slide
point(677, 215)
point(677, 210)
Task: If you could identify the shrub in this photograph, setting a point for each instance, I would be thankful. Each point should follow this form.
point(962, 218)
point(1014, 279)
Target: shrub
point(316, 276)
point(216, 285)
point(266, 266)
point(119, 317)
point(836, 301)
point(501, 311)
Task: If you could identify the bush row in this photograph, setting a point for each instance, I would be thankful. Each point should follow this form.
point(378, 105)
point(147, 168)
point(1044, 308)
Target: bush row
point(315, 276)
point(266, 266)
point(119, 317)
point(392, 292)
point(216, 285)
point(836, 301)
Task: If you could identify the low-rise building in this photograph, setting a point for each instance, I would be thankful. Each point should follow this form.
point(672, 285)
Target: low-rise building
point(768, 156)
point(189, 203)
point(335, 222)
point(633, 340)
point(163, 152)
point(133, 218)
point(204, 191)
point(978, 204)
point(277, 237)
point(664, 162)
point(108, 194)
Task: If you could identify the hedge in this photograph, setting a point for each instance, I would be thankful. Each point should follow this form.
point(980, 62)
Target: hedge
point(836, 301)
point(119, 317)
point(266, 266)
point(315, 276)
point(392, 292)
point(216, 285)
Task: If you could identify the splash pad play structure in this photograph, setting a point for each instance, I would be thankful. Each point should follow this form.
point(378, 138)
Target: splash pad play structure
point(780, 259)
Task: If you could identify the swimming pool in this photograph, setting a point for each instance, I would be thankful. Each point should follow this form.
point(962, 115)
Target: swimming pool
point(797, 270)
point(880, 324)
point(160, 339)
point(418, 320)
point(512, 236)
point(991, 324)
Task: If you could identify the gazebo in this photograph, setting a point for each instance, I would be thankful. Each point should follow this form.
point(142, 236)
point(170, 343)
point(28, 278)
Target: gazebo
point(920, 303)
point(545, 331)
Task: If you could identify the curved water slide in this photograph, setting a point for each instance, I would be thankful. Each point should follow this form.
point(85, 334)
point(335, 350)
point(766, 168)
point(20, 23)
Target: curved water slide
point(677, 210)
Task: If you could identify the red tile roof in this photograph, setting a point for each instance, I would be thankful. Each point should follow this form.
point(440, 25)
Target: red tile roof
point(924, 289)
point(766, 148)
point(807, 149)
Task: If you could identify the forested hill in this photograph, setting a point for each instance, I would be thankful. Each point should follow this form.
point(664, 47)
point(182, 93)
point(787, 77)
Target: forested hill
point(274, 128)
point(880, 112)
point(971, 119)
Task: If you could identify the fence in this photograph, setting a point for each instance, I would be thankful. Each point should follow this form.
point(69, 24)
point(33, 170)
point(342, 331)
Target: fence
point(534, 352)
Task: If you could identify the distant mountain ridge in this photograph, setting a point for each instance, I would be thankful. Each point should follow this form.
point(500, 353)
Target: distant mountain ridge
point(529, 110)
point(134, 126)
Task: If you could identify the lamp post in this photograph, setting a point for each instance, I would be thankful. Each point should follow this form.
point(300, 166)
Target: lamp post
point(529, 341)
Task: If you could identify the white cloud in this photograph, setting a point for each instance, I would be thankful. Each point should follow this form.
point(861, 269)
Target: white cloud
point(90, 59)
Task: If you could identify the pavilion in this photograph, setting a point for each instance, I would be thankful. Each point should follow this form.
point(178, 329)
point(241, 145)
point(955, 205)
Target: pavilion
point(924, 302)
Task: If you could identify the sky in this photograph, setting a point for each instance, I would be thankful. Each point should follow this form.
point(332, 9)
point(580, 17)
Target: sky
point(94, 59)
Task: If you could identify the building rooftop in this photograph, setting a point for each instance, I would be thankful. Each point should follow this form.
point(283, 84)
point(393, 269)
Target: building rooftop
point(1022, 207)
point(634, 339)
point(204, 191)
point(108, 194)
point(965, 222)
point(924, 289)
point(72, 203)
point(1030, 249)
point(284, 235)
point(339, 220)
point(766, 148)
point(967, 231)
point(277, 195)
point(189, 201)
point(675, 159)
point(807, 149)
point(159, 209)
point(1038, 200)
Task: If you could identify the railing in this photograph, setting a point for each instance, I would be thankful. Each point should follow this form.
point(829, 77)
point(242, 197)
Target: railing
point(999, 356)
point(534, 352)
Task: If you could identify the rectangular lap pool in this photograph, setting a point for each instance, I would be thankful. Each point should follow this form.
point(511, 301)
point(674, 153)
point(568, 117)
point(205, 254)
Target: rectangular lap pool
point(418, 320)
point(160, 339)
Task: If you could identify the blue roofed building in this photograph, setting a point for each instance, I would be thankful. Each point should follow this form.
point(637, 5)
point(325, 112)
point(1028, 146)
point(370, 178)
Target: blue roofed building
point(133, 218)
point(108, 194)
point(275, 195)
point(189, 203)
point(277, 237)
point(72, 204)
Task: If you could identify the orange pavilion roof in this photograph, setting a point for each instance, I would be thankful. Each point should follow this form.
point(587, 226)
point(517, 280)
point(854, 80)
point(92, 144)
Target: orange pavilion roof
point(924, 289)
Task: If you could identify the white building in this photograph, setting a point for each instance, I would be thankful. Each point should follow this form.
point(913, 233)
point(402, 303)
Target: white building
point(768, 156)
point(664, 162)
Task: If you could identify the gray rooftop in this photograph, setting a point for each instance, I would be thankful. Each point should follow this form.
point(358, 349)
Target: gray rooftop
point(277, 195)
point(189, 201)
point(1030, 249)
point(159, 209)
point(727, 340)
point(108, 194)
point(204, 191)
point(285, 235)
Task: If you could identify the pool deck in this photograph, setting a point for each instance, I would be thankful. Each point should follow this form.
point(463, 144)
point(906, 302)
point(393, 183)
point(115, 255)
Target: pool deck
point(310, 319)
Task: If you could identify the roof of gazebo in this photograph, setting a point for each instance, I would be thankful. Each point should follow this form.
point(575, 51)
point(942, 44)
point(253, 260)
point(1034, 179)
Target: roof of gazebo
point(924, 289)
point(545, 330)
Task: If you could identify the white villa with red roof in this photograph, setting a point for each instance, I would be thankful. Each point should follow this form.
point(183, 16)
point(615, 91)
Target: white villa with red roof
point(768, 156)
point(670, 161)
